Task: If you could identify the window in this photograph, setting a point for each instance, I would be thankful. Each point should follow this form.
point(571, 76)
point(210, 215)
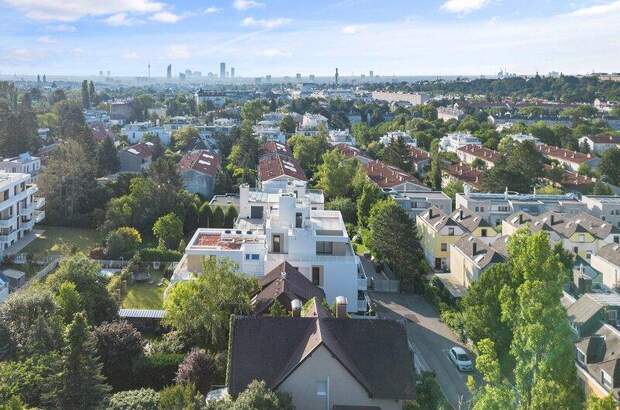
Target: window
point(321, 388)
point(606, 380)
point(275, 245)
point(324, 248)
point(612, 315)
point(451, 231)
point(444, 247)
point(483, 233)
point(588, 254)
point(298, 220)
point(255, 256)
point(575, 249)
point(581, 237)
point(316, 276)
point(617, 239)
point(477, 209)
point(482, 209)
point(581, 358)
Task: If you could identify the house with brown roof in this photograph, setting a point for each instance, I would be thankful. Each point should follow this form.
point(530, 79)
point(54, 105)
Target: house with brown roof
point(470, 256)
point(275, 148)
point(284, 284)
point(600, 143)
point(136, 158)
point(393, 178)
point(276, 172)
point(199, 169)
point(323, 362)
point(464, 173)
point(420, 159)
point(472, 152)
point(437, 231)
point(569, 159)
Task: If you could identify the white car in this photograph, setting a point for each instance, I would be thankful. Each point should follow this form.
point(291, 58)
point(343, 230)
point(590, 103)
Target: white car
point(461, 359)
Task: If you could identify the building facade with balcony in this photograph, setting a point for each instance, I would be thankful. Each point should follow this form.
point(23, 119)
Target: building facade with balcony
point(288, 226)
point(20, 209)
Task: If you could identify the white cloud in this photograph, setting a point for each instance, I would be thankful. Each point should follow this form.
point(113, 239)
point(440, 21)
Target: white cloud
point(62, 28)
point(166, 17)
point(246, 4)
point(463, 6)
point(601, 9)
point(121, 19)
point(264, 23)
point(131, 55)
point(22, 54)
point(212, 10)
point(352, 29)
point(178, 51)
point(46, 40)
point(275, 52)
point(72, 10)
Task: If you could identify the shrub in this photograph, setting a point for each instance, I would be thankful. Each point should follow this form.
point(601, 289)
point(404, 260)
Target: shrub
point(160, 255)
point(158, 370)
point(169, 230)
point(171, 342)
point(142, 399)
point(123, 242)
point(197, 369)
point(181, 396)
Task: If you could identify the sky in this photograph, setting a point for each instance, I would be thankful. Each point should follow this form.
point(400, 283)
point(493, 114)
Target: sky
point(285, 37)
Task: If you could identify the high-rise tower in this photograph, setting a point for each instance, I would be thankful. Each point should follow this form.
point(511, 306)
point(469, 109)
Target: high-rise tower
point(222, 70)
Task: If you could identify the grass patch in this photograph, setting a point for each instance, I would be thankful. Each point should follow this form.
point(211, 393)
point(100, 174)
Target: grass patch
point(55, 238)
point(145, 295)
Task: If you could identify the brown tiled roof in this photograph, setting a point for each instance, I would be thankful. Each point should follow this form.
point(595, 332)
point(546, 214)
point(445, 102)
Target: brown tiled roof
point(482, 153)
point(610, 252)
point(605, 139)
point(437, 218)
point(564, 224)
point(466, 173)
point(418, 154)
point(374, 352)
point(352, 152)
point(142, 149)
point(563, 154)
point(203, 161)
point(387, 176)
point(273, 147)
point(572, 179)
point(469, 219)
point(273, 166)
point(602, 351)
point(484, 255)
point(284, 283)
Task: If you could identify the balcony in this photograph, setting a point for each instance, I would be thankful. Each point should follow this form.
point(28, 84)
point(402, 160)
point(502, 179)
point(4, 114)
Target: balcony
point(8, 221)
point(32, 189)
point(27, 209)
point(38, 216)
point(363, 304)
point(39, 202)
point(362, 282)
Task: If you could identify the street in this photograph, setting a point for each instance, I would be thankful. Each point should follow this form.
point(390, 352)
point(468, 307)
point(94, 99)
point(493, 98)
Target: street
point(431, 339)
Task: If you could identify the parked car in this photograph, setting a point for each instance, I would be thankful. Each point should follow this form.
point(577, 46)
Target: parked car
point(461, 359)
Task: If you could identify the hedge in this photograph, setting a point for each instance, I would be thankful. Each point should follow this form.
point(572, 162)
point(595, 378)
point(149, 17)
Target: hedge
point(160, 255)
point(158, 370)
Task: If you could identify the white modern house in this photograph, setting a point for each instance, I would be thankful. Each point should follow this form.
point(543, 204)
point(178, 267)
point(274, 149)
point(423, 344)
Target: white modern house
point(269, 131)
point(284, 227)
point(22, 164)
point(20, 209)
point(453, 141)
point(520, 137)
point(392, 136)
point(341, 137)
point(310, 124)
point(135, 132)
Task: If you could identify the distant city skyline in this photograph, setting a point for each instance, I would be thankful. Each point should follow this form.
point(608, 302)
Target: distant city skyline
point(282, 38)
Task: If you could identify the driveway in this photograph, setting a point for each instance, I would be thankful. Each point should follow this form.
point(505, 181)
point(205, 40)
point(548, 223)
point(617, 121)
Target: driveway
point(431, 340)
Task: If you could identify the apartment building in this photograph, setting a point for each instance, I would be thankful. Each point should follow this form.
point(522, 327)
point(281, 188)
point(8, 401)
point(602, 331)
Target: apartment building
point(471, 153)
point(274, 228)
point(437, 231)
point(582, 234)
point(22, 164)
point(605, 207)
point(453, 141)
point(392, 178)
point(470, 256)
point(393, 136)
point(136, 131)
point(520, 137)
point(475, 224)
point(269, 131)
point(341, 137)
point(495, 207)
point(417, 202)
point(20, 209)
point(311, 124)
point(450, 113)
point(569, 159)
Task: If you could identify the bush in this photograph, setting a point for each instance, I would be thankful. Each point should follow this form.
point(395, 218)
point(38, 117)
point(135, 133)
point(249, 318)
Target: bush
point(123, 242)
point(160, 255)
point(181, 396)
point(197, 369)
point(169, 230)
point(97, 253)
point(158, 370)
point(171, 342)
point(143, 399)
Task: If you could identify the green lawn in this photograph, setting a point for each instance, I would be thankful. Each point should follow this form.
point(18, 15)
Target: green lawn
point(145, 295)
point(55, 237)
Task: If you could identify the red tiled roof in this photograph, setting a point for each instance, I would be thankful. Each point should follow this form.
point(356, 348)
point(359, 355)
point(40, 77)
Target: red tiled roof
point(273, 147)
point(349, 151)
point(573, 179)
point(563, 154)
point(466, 173)
point(274, 166)
point(203, 161)
point(418, 154)
point(142, 149)
point(482, 153)
point(387, 176)
point(100, 133)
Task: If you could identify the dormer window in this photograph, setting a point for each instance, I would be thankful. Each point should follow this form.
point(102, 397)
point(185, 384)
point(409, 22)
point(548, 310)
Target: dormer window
point(581, 357)
point(606, 380)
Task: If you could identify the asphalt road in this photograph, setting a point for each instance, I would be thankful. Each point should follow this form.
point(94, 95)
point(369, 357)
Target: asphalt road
point(431, 338)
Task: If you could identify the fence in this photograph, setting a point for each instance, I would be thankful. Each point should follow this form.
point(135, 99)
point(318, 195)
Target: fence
point(385, 285)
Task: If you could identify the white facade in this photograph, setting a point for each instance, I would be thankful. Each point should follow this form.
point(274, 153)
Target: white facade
point(605, 207)
point(284, 227)
point(598, 144)
point(609, 269)
point(269, 131)
point(390, 137)
point(310, 124)
point(450, 113)
point(135, 132)
point(341, 137)
point(22, 164)
point(452, 142)
point(417, 202)
point(19, 208)
point(524, 137)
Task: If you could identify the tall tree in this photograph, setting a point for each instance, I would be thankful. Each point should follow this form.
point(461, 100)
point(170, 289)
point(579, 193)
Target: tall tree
point(434, 176)
point(609, 165)
point(85, 95)
point(397, 154)
point(80, 384)
point(107, 158)
point(336, 173)
point(169, 230)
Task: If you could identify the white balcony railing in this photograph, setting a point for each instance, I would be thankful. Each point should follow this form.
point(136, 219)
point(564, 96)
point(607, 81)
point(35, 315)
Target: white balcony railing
point(362, 283)
point(39, 203)
point(38, 216)
point(8, 222)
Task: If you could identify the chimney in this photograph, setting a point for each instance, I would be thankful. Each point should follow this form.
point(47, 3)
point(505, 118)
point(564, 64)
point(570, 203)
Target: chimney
point(296, 307)
point(474, 248)
point(552, 219)
point(430, 213)
point(341, 307)
point(461, 214)
point(520, 219)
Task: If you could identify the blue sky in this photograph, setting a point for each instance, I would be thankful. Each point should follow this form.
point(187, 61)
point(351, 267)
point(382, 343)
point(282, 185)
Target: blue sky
point(284, 37)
